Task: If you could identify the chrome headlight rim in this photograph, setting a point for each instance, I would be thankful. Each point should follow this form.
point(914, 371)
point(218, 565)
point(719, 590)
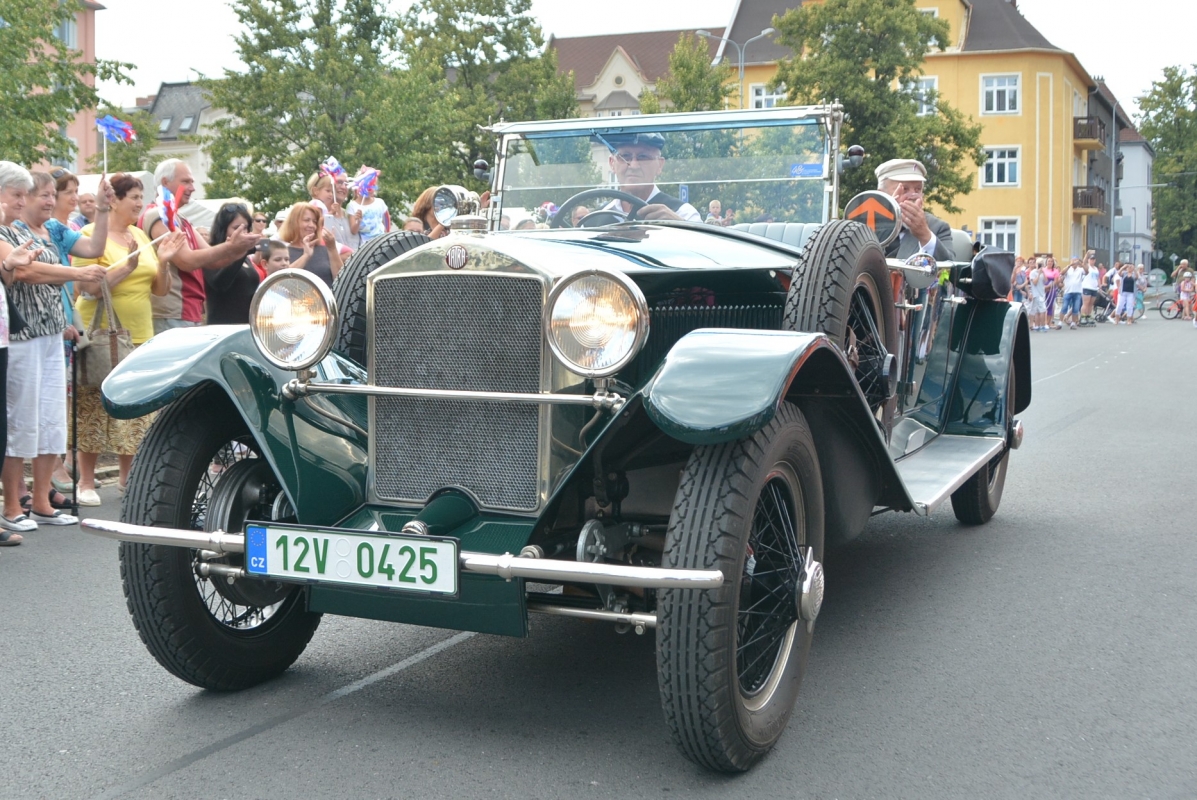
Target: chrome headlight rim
point(330, 332)
point(640, 333)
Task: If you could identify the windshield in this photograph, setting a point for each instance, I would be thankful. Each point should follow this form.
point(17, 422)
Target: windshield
point(727, 175)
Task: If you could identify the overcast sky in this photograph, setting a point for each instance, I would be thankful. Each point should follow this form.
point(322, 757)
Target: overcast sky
point(1127, 43)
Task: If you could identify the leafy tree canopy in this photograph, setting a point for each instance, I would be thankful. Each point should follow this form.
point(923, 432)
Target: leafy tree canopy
point(320, 81)
point(692, 83)
point(488, 54)
point(1168, 119)
point(45, 82)
point(868, 54)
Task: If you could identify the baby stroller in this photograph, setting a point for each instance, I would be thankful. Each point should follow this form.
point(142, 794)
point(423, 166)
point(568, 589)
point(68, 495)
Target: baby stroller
point(1103, 307)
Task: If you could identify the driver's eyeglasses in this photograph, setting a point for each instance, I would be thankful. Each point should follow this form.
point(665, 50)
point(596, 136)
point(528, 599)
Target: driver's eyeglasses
point(639, 158)
point(260, 219)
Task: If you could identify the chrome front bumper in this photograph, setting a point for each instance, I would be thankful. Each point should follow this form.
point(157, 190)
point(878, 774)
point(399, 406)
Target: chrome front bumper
point(506, 566)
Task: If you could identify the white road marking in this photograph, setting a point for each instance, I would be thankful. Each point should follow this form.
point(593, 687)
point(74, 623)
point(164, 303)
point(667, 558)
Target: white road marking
point(1070, 369)
point(222, 744)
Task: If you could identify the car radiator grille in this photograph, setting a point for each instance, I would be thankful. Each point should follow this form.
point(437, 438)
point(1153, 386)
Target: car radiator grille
point(460, 331)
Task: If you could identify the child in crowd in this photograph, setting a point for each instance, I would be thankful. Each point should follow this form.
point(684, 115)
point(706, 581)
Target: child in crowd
point(1186, 289)
point(273, 255)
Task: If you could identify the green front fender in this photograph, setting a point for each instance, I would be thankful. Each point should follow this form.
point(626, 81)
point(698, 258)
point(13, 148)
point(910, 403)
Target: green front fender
point(722, 385)
point(321, 464)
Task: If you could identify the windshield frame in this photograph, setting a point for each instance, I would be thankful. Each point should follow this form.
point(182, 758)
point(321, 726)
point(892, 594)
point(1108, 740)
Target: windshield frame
point(830, 117)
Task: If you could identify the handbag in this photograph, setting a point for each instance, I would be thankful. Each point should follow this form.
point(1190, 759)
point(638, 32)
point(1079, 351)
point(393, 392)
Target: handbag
point(108, 346)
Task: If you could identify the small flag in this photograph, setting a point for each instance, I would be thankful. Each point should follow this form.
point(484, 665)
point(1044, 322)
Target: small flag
point(332, 168)
point(366, 182)
point(167, 208)
point(115, 130)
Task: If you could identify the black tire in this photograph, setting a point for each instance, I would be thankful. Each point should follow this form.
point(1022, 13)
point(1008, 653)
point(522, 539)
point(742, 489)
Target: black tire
point(841, 287)
point(978, 499)
point(349, 288)
point(707, 639)
point(1170, 308)
point(206, 631)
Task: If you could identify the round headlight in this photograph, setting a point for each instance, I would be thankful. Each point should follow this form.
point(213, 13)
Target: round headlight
point(597, 322)
point(293, 319)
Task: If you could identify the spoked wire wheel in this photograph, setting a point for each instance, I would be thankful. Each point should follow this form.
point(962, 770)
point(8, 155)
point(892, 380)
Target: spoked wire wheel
point(198, 468)
point(236, 487)
point(865, 348)
point(767, 618)
point(730, 660)
point(841, 286)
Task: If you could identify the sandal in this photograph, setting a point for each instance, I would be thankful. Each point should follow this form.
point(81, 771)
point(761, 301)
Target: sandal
point(10, 539)
point(66, 487)
point(59, 500)
point(26, 502)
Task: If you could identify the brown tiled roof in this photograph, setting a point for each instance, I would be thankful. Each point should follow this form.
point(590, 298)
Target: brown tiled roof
point(1130, 135)
point(587, 55)
point(999, 25)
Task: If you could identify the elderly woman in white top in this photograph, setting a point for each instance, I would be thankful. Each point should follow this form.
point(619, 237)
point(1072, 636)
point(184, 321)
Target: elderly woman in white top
point(36, 382)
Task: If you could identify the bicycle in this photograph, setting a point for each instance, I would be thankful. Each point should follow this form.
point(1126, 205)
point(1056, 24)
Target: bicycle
point(1171, 308)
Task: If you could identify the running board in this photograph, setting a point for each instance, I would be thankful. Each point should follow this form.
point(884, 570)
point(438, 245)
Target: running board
point(942, 466)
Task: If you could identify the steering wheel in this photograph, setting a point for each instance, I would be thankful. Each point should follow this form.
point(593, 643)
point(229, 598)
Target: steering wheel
point(605, 216)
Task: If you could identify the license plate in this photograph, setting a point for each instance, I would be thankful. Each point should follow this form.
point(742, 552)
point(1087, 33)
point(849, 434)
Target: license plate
point(403, 563)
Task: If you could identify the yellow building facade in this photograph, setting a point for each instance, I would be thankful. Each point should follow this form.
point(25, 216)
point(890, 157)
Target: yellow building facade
point(1035, 193)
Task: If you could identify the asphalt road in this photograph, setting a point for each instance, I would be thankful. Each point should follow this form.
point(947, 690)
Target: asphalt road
point(1050, 653)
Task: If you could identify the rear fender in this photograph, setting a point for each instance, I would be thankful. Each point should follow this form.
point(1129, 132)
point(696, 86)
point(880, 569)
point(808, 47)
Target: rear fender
point(998, 341)
point(320, 463)
point(722, 385)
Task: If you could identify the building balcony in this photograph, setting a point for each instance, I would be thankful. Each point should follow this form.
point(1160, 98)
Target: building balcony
point(1088, 200)
point(1088, 133)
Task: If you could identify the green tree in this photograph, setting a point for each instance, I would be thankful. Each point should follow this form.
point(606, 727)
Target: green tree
point(320, 81)
point(1168, 119)
point(491, 67)
point(692, 83)
point(134, 156)
point(45, 82)
point(868, 54)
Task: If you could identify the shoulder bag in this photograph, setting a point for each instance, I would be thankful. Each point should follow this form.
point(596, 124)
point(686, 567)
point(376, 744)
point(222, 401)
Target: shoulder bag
point(108, 346)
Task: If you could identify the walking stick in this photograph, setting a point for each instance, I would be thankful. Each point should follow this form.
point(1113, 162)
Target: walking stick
point(74, 428)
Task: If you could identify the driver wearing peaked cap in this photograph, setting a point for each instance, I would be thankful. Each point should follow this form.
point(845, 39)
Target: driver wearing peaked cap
point(636, 161)
point(922, 232)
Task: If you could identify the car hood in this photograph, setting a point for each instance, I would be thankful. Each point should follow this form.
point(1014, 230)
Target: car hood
point(631, 249)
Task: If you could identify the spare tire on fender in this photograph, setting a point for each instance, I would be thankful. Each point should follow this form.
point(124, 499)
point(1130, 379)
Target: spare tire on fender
point(349, 288)
point(841, 287)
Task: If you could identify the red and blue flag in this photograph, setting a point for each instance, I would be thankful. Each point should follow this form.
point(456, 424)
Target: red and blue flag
point(167, 208)
point(366, 182)
point(116, 130)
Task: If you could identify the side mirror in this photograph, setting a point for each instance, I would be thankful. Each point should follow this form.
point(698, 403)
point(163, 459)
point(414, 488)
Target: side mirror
point(856, 156)
point(482, 171)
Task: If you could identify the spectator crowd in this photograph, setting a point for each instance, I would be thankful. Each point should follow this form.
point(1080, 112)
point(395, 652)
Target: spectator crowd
point(64, 256)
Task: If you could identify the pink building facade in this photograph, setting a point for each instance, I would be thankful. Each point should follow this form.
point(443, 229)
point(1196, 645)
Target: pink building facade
point(81, 36)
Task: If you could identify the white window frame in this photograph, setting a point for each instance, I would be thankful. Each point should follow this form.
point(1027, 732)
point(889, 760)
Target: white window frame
point(989, 237)
point(67, 32)
point(932, 11)
point(1016, 161)
point(917, 89)
point(164, 124)
point(187, 123)
point(766, 98)
point(1005, 89)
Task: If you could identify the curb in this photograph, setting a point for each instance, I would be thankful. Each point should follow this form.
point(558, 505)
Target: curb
point(102, 474)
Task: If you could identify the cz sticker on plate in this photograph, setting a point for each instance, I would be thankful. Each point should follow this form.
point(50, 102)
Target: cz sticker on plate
point(422, 564)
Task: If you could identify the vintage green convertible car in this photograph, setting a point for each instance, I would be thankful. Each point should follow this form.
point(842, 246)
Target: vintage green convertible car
point(628, 416)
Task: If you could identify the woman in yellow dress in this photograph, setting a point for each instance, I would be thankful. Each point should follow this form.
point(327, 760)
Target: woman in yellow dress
point(131, 282)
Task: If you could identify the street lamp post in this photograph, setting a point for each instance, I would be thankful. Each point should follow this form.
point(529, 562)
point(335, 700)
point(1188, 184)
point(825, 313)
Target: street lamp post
point(740, 48)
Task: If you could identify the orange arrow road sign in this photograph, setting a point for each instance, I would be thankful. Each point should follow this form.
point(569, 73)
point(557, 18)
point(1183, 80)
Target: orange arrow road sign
point(872, 208)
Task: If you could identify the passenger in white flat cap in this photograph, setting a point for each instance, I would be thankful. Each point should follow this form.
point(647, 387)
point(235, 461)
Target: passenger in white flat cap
point(903, 179)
